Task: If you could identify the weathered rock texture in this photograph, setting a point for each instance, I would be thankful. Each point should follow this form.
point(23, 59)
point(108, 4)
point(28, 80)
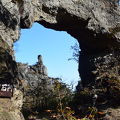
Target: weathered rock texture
point(10, 108)
point(94, 23)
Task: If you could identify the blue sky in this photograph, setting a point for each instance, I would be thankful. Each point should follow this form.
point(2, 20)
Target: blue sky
point(54, 46)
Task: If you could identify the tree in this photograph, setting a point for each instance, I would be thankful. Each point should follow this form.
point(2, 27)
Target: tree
point(76, 52)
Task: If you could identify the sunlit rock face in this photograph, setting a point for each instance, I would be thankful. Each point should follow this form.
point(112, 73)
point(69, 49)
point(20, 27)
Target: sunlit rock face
point(9, 33)
point(10, 108)
point(94, 23)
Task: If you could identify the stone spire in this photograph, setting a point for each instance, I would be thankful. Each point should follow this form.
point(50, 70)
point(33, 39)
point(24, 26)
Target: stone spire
point(41, 67)
point(40, 60)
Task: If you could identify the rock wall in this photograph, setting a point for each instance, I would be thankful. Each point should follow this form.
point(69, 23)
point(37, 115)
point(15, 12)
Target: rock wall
point(10, 109)
point(94, 23)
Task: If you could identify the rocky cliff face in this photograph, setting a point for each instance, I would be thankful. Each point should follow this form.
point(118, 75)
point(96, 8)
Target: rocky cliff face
point(94, 23)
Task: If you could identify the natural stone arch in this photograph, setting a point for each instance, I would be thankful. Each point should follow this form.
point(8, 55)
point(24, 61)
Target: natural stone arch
point(94, 23)
point(87, 21)
point(90, 22)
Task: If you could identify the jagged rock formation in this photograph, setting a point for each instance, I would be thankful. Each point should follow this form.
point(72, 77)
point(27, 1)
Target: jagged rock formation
point(94, 23)
point(32, 75)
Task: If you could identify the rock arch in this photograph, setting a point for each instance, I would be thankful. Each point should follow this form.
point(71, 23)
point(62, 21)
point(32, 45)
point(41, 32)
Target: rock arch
point(94, 23)
point(90, 22)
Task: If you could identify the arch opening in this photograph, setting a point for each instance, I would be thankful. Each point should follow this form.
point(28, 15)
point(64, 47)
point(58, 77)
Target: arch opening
point(55, 48)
